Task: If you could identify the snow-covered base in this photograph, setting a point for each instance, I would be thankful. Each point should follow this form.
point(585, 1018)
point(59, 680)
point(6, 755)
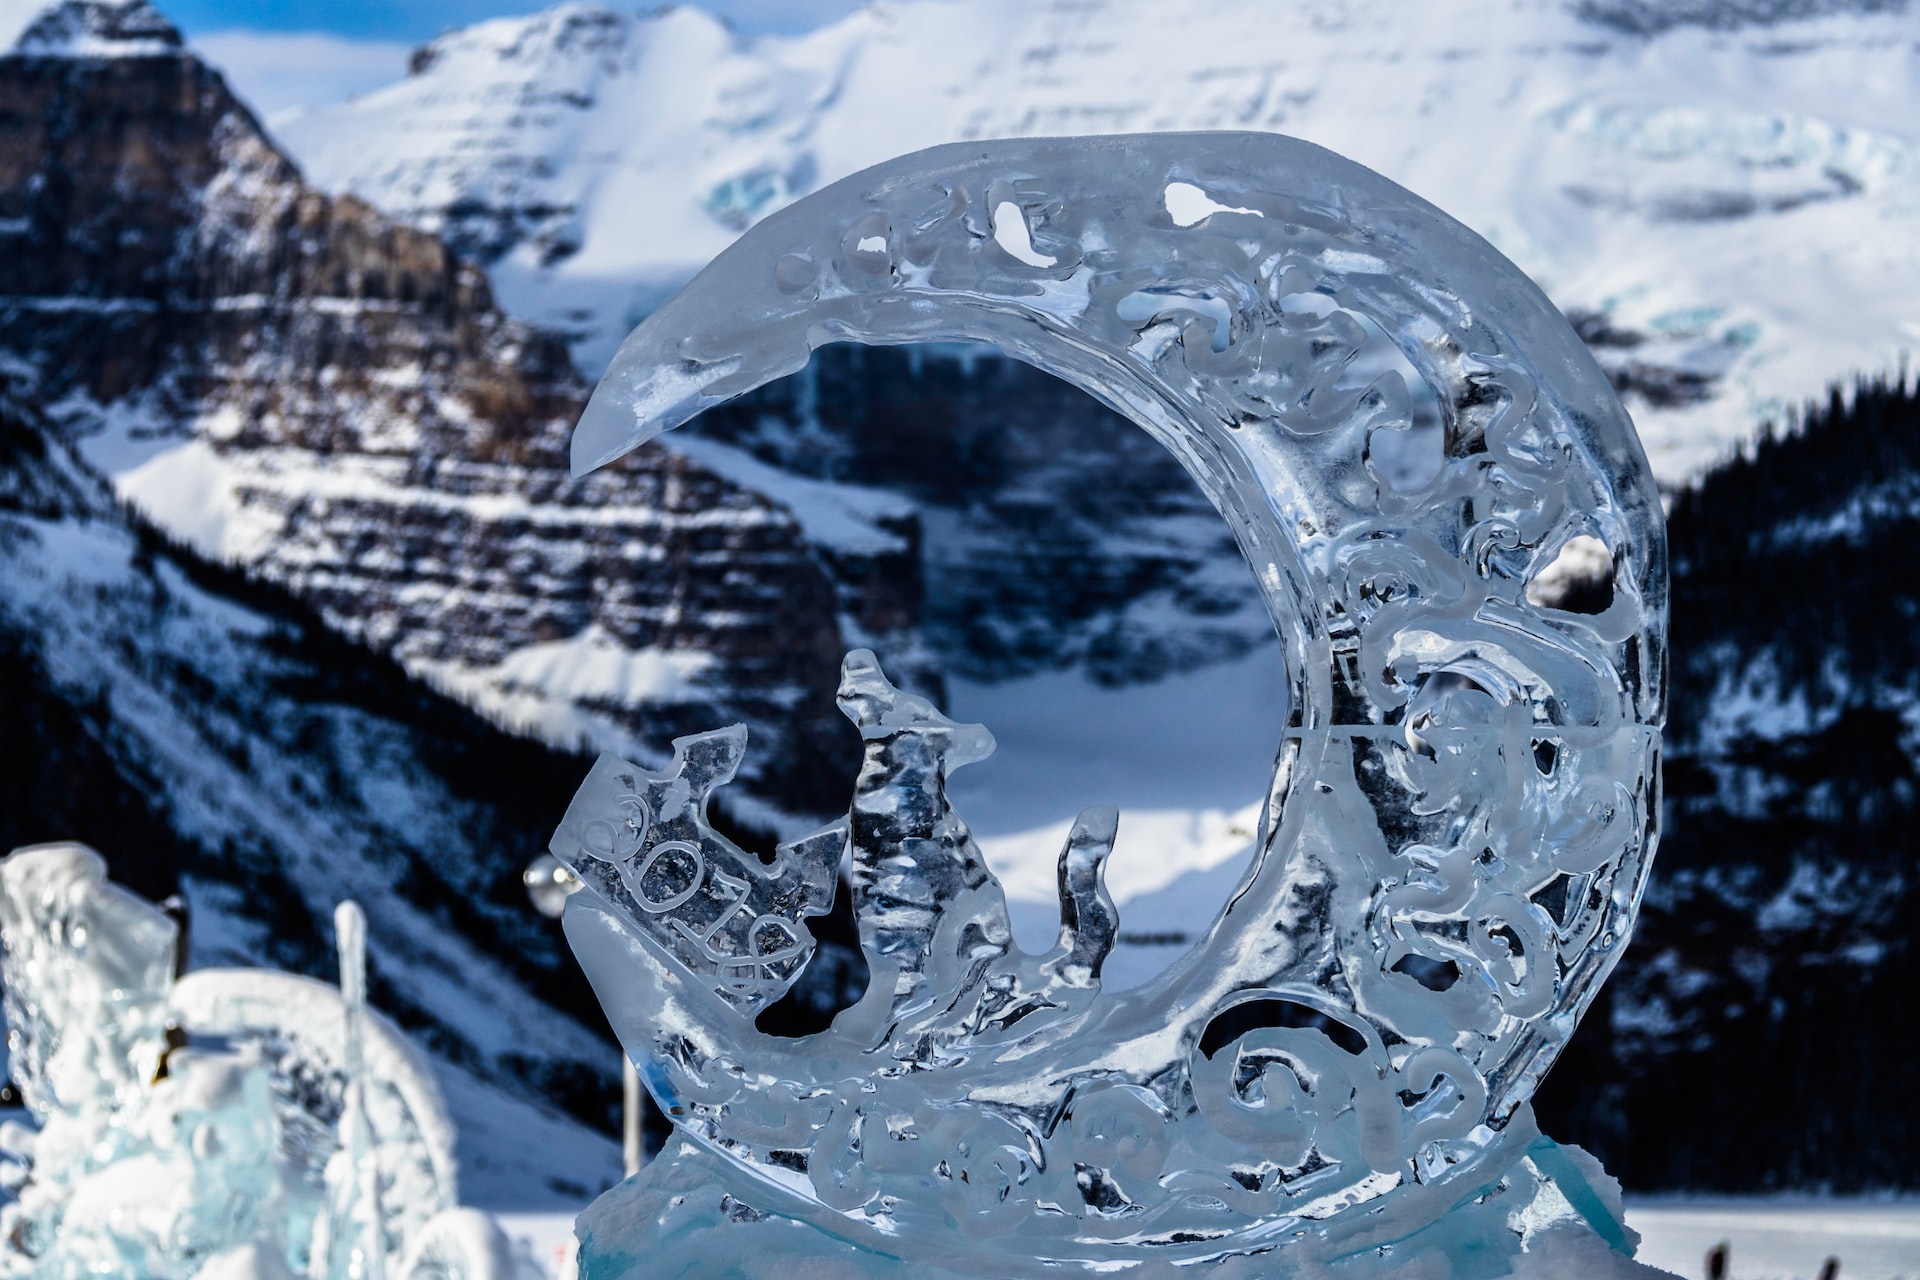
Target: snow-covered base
point(1874, 1239)
point(518, 1157)
point(1782, 1237)
point(684, 1218)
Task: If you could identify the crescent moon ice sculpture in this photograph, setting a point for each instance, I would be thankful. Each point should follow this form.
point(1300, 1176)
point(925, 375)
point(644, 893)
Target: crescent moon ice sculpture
point(1463, 808)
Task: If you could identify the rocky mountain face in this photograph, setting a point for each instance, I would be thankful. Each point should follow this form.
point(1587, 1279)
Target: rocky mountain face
point(1716, 192)
point(1651, 17)
point(964, 516)
point(1758, 1034)
point(302, 385)
point(1056, 535)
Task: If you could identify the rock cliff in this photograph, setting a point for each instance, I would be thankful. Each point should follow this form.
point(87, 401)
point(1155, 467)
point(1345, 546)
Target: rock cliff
point(303, 385)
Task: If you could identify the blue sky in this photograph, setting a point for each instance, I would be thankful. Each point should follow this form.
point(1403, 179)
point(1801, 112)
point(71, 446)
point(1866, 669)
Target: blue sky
point(412, 21)
point(282, 54)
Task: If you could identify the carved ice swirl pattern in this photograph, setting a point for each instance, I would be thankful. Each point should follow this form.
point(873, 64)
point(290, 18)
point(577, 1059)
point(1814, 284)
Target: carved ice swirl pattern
point(1465, 795)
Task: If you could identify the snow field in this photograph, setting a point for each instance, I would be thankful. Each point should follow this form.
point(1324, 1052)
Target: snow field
point(1766, 1239)
point(1187, 760)
point(1783, 1239)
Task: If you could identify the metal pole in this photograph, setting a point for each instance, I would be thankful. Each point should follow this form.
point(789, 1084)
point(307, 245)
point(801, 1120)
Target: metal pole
point(630, 1129)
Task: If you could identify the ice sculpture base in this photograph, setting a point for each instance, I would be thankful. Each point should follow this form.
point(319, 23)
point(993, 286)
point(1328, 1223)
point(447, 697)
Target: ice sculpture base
point(1554, 1215)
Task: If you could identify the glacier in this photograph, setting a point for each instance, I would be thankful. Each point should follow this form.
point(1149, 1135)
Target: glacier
point(1723, 194)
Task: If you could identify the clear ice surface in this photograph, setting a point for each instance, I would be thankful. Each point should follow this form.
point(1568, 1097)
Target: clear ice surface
point(1414, 451)
point(234, 1124)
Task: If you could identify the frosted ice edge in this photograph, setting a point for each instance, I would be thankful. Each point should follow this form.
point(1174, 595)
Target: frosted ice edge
point(231, 1124)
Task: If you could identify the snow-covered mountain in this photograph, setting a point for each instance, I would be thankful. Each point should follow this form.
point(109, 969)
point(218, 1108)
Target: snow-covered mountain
point(300, 384)
point(1720, 192)
point(1725, 193)
point(303, 385)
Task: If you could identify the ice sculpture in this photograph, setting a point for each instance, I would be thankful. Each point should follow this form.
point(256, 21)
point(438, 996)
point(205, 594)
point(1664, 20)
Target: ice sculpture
point(235, 1123)
point(1404, 436)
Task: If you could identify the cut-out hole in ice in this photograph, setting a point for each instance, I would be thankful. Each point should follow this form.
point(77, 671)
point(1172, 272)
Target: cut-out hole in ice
point(1578, 579)
point(1010, 232)
point(1144, 306)
point(1188, 205)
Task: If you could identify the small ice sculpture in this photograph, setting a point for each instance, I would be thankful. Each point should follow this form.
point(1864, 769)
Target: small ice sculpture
point(1405, 436)
point(235, 1124)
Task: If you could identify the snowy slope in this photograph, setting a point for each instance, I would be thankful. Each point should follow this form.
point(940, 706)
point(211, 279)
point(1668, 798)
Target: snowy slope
point(1729, 201)
point(1187, 758)
point(1728, 189)
point(270, 771)
point(1874, 1239)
